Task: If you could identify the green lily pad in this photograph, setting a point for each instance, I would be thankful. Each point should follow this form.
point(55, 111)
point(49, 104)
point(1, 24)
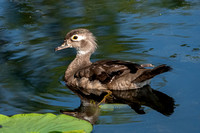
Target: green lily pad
point(43, 123)
point(112, 107)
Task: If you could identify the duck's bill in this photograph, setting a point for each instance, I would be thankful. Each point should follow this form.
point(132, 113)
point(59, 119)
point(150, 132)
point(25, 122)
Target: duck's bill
point(63, 46)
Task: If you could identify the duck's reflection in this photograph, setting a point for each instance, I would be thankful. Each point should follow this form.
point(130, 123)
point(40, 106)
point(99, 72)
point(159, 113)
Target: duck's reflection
point(135, 98)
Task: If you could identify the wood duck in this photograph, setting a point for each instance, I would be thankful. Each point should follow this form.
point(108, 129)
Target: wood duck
point(104, 74)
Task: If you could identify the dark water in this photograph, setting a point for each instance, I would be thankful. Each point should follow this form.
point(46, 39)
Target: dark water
point(155, 31)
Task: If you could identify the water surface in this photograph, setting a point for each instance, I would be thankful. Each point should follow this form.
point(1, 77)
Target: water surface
point(156, 31)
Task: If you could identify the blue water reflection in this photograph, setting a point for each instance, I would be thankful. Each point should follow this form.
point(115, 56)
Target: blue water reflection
point(157, 32)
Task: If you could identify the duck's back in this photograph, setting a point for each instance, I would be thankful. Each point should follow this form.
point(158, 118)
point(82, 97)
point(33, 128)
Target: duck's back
point(115, 75)
point(106, 70)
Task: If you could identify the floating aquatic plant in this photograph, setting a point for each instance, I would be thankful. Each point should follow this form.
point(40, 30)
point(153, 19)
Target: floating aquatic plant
point(43, 123)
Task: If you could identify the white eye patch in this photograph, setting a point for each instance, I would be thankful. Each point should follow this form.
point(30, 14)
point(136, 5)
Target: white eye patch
point(77, 37)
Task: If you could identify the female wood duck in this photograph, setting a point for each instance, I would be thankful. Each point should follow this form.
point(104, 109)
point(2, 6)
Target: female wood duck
point(105, 74)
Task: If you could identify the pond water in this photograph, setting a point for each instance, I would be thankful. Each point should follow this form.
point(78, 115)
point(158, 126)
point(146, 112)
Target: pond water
point(155, 31)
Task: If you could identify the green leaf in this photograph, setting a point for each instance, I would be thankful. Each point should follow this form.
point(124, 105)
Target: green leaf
point(43, 123)
point(112, 107)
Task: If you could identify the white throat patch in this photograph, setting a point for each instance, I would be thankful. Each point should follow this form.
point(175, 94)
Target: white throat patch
point(82, 52)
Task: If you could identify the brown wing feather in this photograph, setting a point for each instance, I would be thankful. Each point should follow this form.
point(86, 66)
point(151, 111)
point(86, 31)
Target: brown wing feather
point(150, 73)
point(105, 70)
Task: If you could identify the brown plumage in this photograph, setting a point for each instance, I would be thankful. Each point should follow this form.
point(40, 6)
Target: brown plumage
point(104, 74)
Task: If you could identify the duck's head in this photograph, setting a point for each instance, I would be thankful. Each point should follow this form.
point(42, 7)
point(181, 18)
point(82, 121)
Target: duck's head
point(80, 39)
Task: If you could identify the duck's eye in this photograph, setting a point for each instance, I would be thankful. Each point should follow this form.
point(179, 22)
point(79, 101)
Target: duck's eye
point(74, 37)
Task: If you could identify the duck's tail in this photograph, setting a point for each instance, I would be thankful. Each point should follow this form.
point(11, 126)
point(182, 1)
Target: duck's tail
point(150, 73)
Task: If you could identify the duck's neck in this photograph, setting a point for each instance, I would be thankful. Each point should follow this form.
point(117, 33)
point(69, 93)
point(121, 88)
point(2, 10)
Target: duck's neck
point(81, 61)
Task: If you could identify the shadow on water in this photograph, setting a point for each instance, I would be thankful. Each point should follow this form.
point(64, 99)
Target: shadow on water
point(135, 98)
